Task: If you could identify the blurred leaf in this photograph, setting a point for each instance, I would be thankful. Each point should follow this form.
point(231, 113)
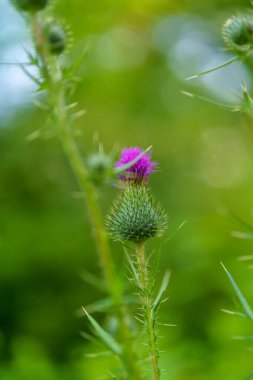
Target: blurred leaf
point(243, 235)
point(164, 285)
point(108, 340)
point(240, 296)
point(105, 304)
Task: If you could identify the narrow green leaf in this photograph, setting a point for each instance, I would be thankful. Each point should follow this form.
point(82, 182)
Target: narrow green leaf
point(242, 299)
point(240, 221)
point(108, 340)
point(210, 101)
point(227, 63)
point(161, 291)
point(106, 304)
point(101, 305)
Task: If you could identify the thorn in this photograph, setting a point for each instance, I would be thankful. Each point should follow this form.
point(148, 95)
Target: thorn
point(71, 106)
point(245, 258)
point(34, 135)
point(187, 93)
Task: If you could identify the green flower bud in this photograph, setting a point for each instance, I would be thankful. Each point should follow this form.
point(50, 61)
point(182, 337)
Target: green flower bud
point(238, 33)
point(99, 164)
point(136, 216)
point(56, 37)
point(30, 5)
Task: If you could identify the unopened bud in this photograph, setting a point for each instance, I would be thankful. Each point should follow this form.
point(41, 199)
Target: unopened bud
point(30, 5)
point(238, 33)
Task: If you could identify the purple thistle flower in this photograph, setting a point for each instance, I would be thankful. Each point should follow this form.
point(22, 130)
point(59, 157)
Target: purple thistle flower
point(139, 171)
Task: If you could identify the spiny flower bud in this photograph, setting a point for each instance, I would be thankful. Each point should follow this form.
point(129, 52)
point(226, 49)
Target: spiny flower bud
point(136, 216)
point(98, 165)
point(56, 37)
point(30, 5)
point(238, 33)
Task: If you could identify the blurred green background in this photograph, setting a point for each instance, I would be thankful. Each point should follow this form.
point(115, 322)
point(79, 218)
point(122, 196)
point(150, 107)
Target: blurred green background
point(138, 56)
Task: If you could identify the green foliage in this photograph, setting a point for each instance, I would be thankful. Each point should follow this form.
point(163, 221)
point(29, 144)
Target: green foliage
point(135, 215)
point(108, 340)
point(44, 237)
point(160, 294)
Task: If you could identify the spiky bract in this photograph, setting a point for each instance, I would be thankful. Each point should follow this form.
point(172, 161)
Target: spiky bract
point(30, 5)
point(238, 33)
point(136, 216)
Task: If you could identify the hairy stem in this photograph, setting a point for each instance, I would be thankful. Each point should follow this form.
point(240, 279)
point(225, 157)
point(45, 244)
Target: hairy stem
point(60, 114)
point(146, 300)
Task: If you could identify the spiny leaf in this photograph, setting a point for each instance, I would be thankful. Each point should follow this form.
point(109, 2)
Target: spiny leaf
point(242, 299)
point(161, 291)
point(107, 339)
point(227, 63)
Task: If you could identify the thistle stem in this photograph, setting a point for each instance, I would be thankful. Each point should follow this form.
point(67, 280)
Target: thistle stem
point(58, 101)
point(146, 300)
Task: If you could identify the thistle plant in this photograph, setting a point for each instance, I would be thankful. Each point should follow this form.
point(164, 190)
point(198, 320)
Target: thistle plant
point(55, 82)
point(135, 217)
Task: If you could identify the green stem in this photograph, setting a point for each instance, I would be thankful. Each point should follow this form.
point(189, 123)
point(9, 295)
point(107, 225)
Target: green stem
point(146, 300)
point(57, 95)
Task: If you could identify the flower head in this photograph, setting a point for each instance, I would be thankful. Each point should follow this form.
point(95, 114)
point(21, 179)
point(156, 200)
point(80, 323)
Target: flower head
point(140, 170)
point(238, 33)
